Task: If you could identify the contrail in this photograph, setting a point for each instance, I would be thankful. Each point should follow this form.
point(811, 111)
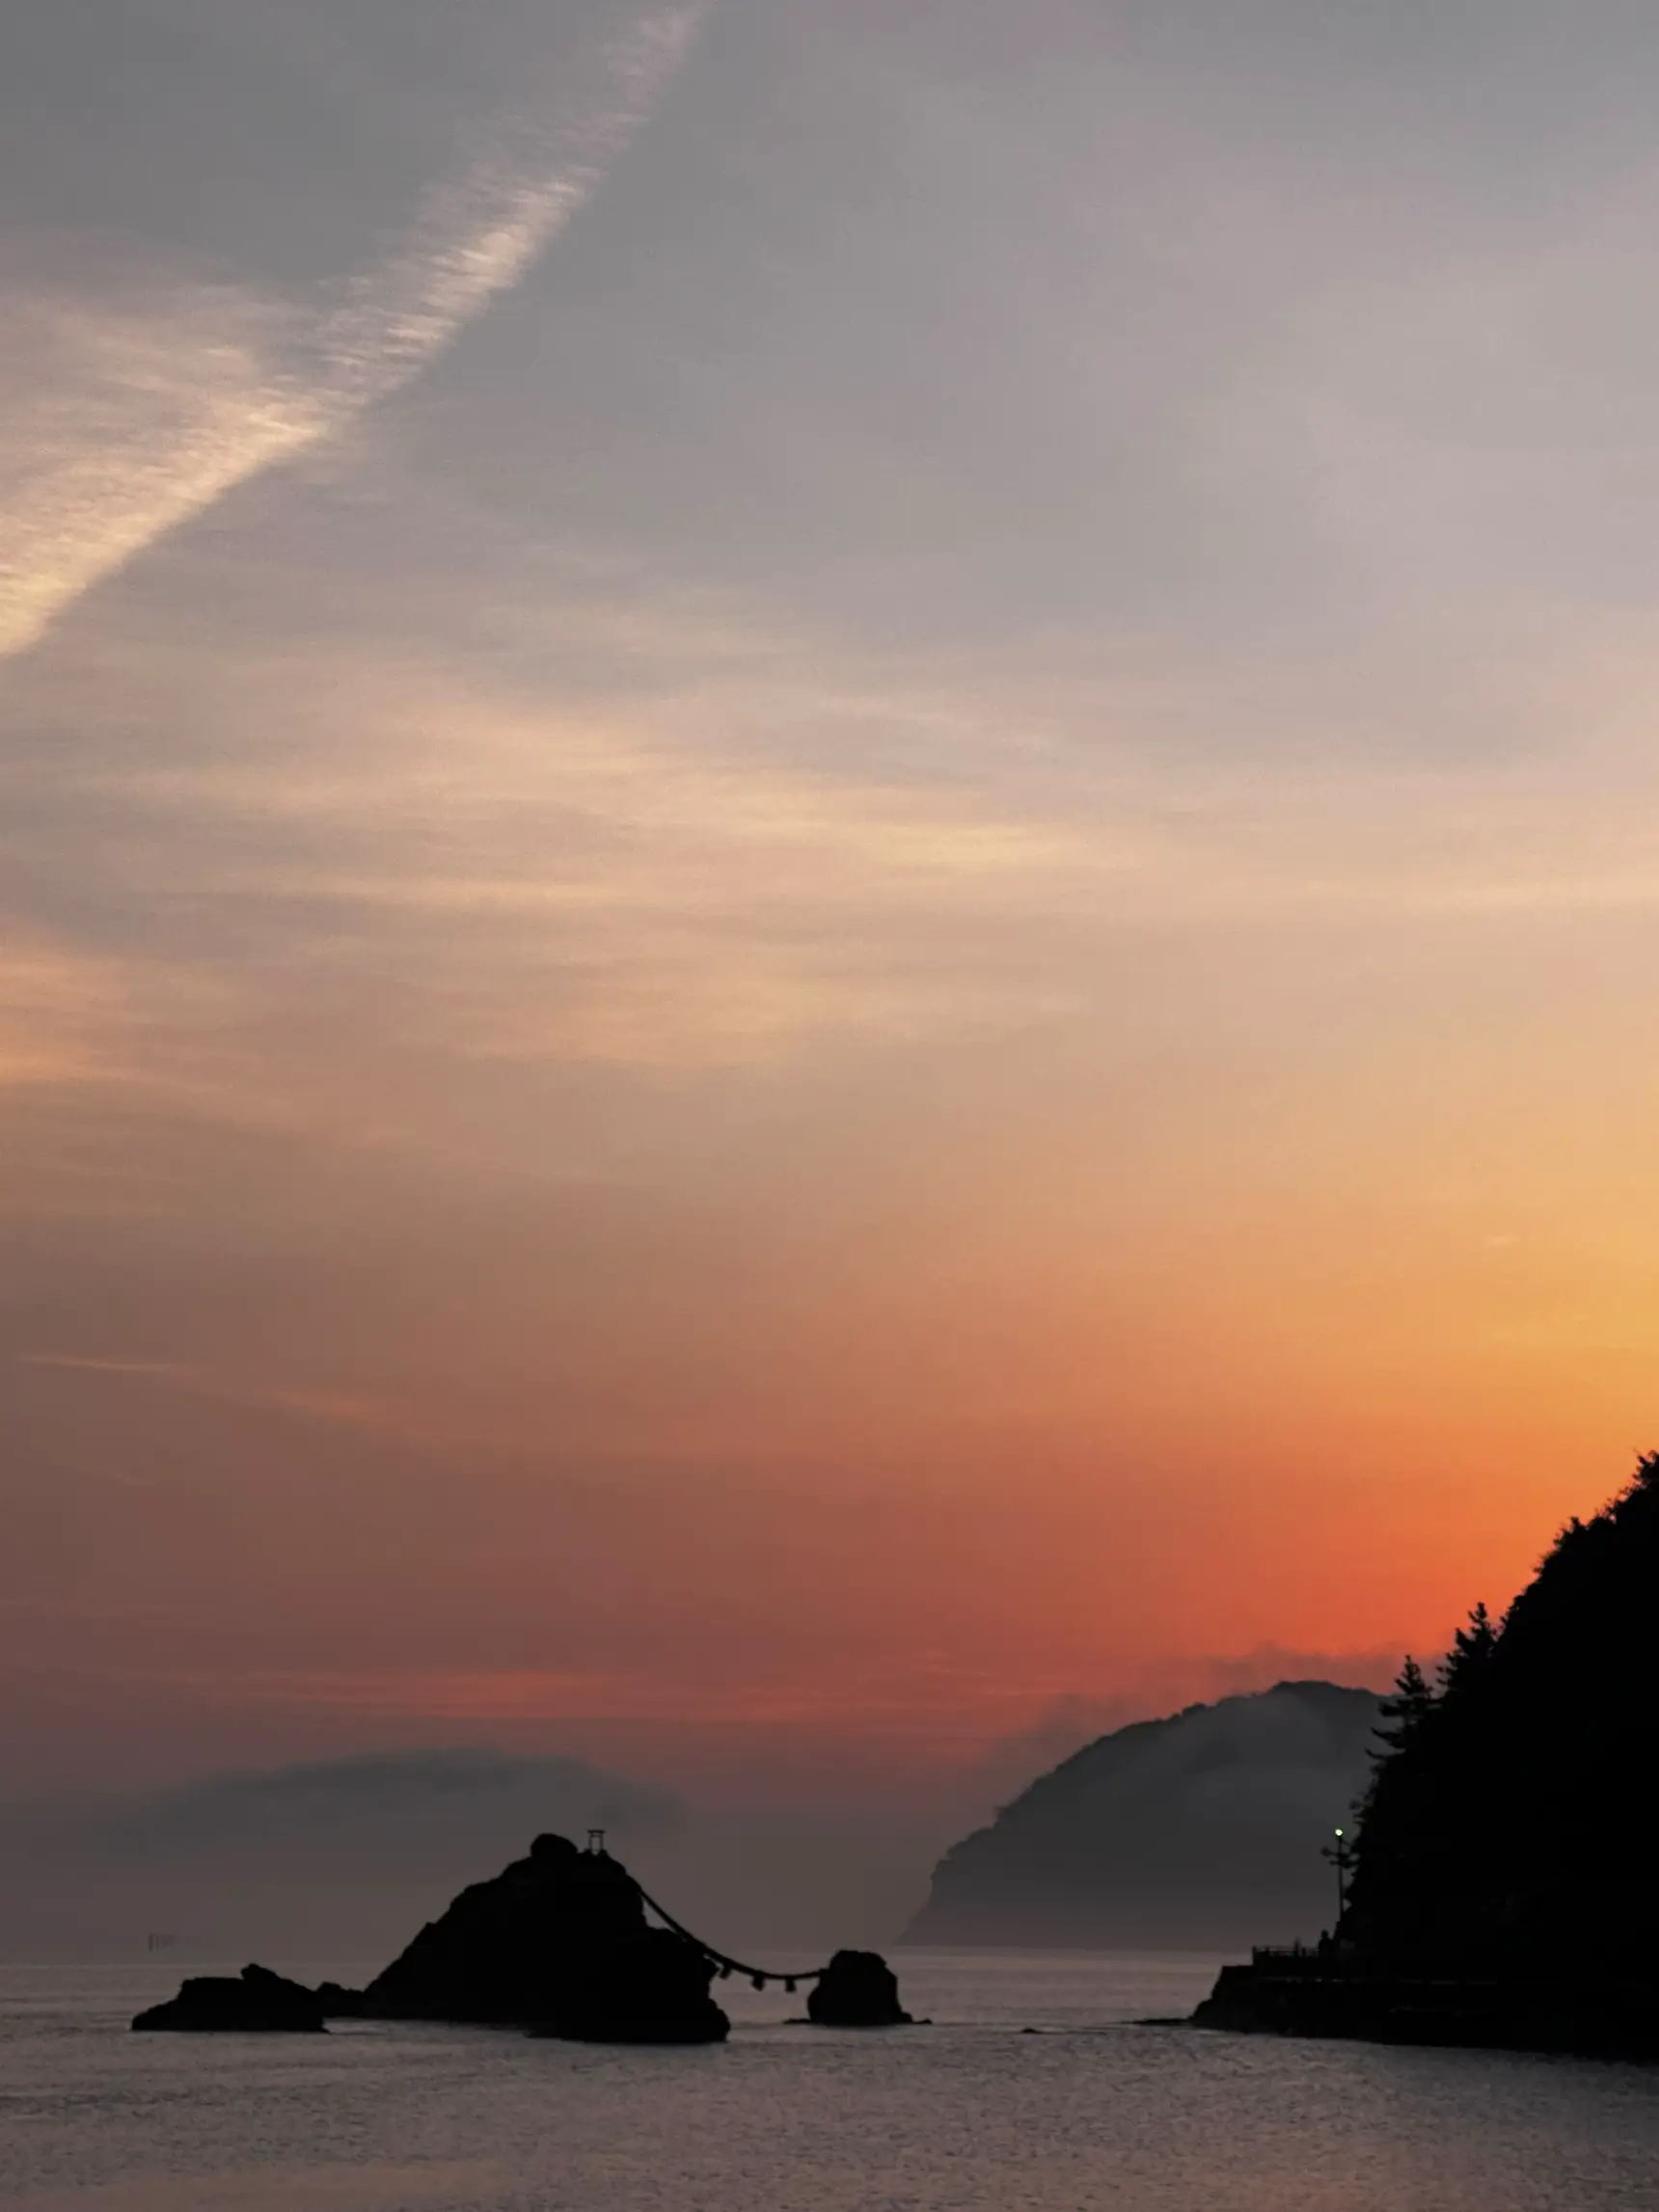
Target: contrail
point(478, 235)
point(134, 421)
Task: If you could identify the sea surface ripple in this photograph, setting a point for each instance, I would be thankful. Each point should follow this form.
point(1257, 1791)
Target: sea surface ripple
point(970, 2115)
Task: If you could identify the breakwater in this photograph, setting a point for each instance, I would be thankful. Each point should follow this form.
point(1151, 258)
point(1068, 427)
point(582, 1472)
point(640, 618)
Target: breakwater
point(1276, 1995)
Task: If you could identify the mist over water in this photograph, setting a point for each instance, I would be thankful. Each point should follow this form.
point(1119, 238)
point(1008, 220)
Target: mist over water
point(970, 2115)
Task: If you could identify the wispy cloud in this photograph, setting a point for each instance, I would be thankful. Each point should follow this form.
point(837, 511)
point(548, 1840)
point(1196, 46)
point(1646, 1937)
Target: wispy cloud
point(127, 419)
point(346, 1411)
point(478, 233)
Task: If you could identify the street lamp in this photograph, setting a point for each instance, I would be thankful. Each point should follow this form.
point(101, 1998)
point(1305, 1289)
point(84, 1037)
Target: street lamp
point(1340, 1855)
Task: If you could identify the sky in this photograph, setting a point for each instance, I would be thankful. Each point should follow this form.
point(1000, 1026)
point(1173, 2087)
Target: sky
point(828, 861)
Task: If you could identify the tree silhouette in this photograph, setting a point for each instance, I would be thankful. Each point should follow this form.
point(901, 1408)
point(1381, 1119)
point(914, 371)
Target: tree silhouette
point(1501, 1834)
point(1471, 1649)
point(1405, 1712)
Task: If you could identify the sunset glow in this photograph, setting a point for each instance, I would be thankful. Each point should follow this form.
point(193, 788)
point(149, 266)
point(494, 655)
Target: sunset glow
point(761, 1020)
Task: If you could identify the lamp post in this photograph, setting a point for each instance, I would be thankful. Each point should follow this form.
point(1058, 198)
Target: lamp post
point(1340, 1855)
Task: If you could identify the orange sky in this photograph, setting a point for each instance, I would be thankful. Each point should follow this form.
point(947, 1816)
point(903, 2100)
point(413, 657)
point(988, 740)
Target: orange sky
point(839, 1417)
point(828, 880)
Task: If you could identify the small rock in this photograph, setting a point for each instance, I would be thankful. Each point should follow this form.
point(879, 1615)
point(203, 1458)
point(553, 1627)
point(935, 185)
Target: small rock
point(857, 1989)
point(255, 2002)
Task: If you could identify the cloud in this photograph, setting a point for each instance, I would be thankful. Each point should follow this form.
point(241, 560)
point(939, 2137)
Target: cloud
point(130, 417)
point(338, 1856)
point(472, 1785)
point(125, 420)
point(528, 883)
point(478, 234)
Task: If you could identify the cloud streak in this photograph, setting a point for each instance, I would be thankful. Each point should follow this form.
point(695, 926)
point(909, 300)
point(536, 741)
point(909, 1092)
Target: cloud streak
point(131, 419)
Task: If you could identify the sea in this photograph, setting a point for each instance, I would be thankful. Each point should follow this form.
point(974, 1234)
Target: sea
point(1034, 2090)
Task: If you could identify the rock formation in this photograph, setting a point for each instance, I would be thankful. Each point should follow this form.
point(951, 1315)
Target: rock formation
point(857, 1989)
point(1200, 1831)
point(255, 2002)
point(557, 1942)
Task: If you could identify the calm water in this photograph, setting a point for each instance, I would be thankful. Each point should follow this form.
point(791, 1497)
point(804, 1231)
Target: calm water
point(968, 2116)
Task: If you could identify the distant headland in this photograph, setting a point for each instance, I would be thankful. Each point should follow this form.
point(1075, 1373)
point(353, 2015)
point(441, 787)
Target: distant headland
point(1500, 1889)
point(1196, 1833)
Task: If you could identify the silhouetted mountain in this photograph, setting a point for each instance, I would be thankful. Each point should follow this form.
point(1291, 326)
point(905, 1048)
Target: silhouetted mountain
point(1503, 1883)
point(1203, 1831)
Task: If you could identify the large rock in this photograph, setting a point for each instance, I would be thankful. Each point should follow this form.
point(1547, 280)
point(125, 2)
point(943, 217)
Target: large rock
point(559, 1943)
point(857, 1989)
point(653, 1987)
point(255, 2002)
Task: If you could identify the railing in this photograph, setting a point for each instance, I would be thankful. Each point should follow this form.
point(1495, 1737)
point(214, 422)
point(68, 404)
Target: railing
point(1296, 1959)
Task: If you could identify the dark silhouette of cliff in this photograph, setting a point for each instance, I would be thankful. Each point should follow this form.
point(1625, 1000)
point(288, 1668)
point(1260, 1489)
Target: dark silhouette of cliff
point(1202, 1830)
point(1502, 1888)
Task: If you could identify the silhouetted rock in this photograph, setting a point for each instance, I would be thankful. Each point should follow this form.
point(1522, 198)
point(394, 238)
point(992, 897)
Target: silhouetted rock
point(1203, 1831)
point(339, 2003)
point(255, 2002)
point(559, 1943)
point(858, 1989)
point(1502, 1886)
point(653, 1987)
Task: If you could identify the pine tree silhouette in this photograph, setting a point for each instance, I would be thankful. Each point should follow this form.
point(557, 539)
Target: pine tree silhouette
point(1405, 1712)
point(1502, 1834)
point(1471, 1649)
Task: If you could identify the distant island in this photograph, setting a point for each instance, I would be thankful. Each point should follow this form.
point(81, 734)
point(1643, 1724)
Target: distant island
point(1200, 1832)
point(1502, 1886)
